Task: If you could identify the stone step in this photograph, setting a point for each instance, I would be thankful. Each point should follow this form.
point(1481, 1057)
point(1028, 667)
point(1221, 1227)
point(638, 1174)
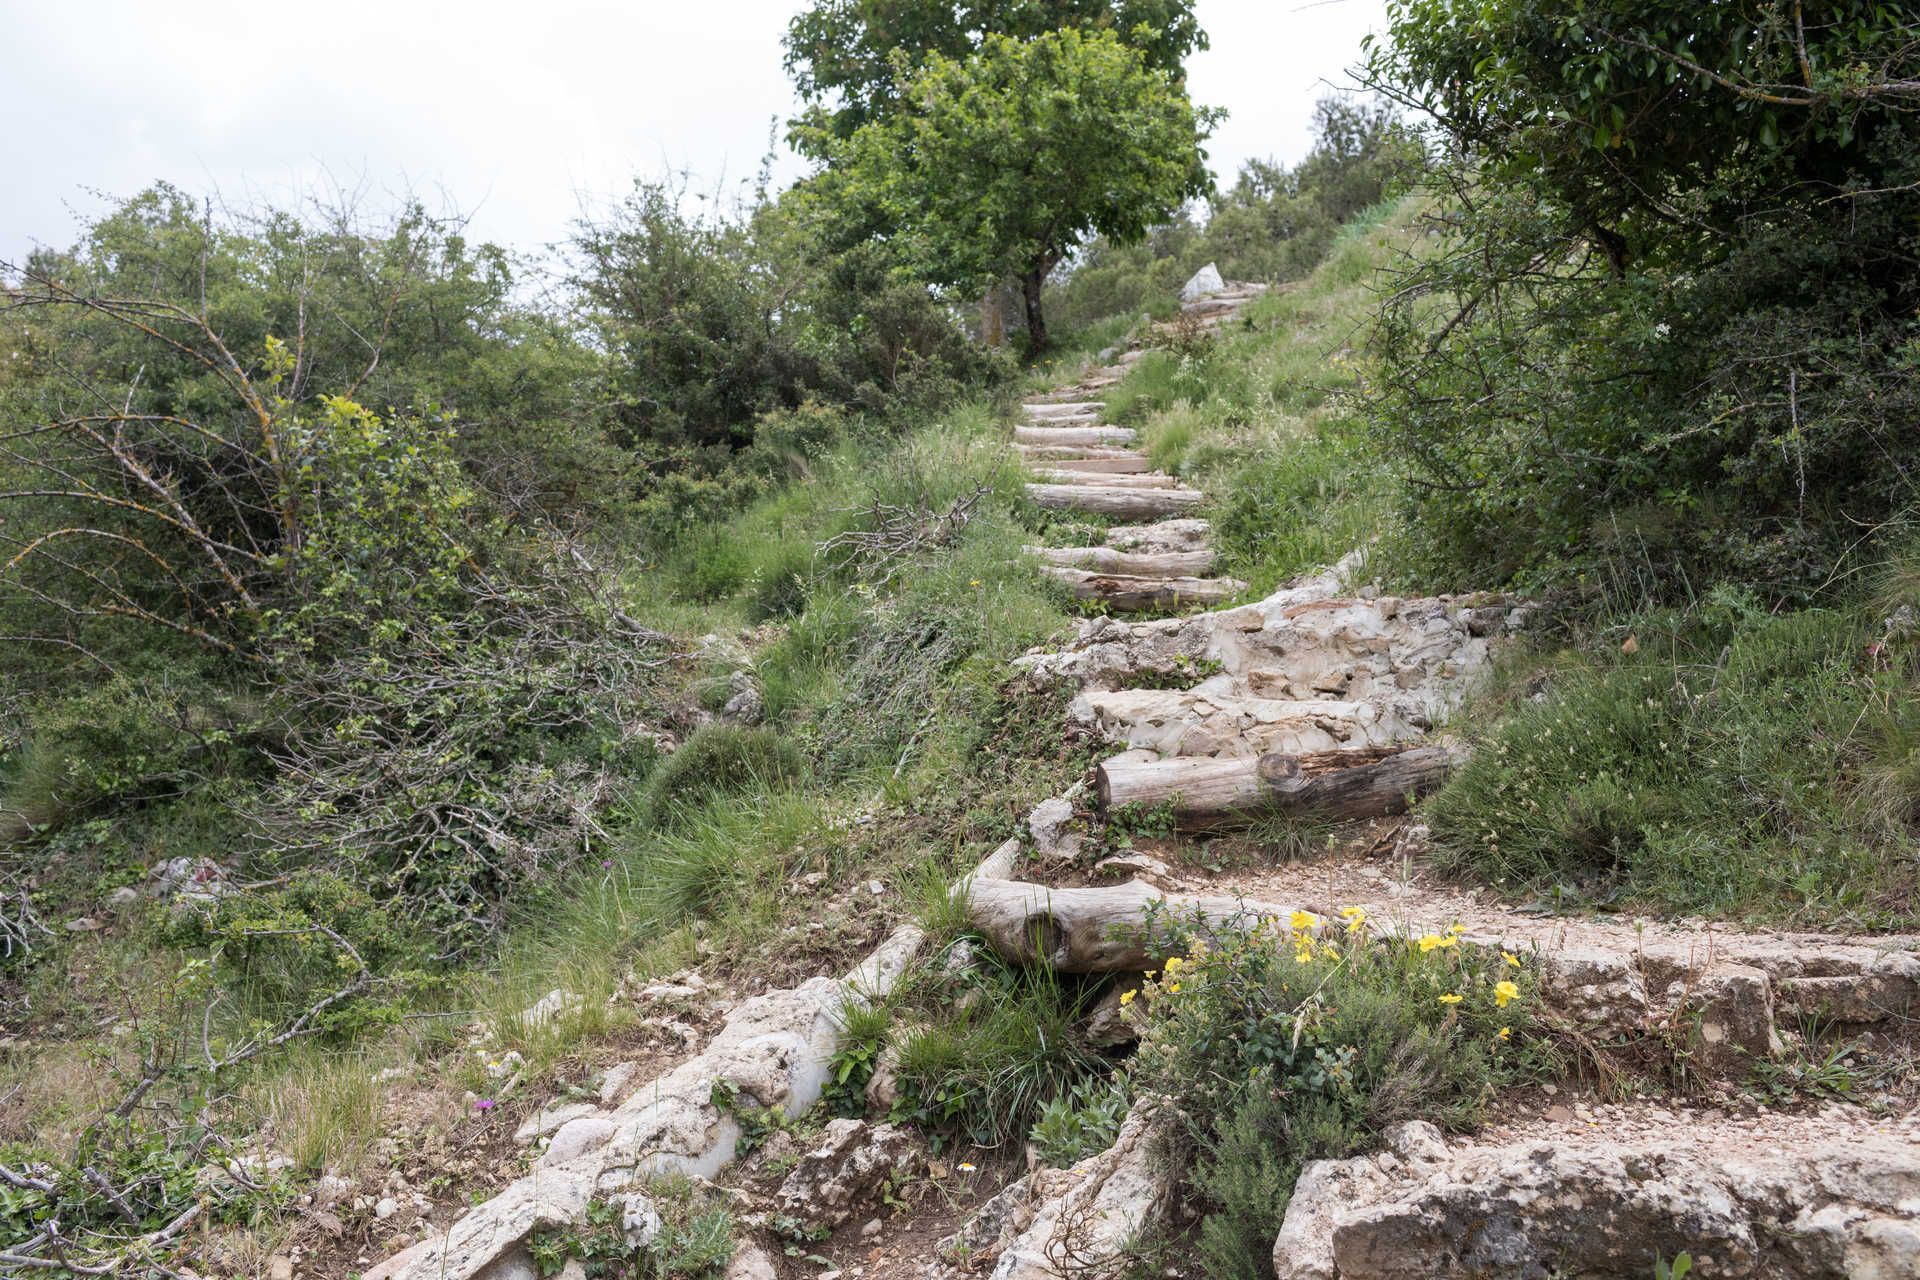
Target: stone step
point(1222, 718)
point(1106, 500)
point(1188, 534)
point(1073, 437)
point(1140, 594)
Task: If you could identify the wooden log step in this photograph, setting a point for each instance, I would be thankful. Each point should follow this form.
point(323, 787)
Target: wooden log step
point(1137, 564)
point(1072, 475)
point(1211, 793)
point(1097, 930)
point(1064, 409)
point(1125, 504)
point(1101, 930)
point(1131, 594)
point(1073, 436)
point(1086, 458)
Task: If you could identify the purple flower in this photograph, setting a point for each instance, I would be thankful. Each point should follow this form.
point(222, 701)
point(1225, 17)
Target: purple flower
point(483, 1104)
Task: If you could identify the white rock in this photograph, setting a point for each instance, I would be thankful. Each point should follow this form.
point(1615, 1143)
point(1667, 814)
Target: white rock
point(1205, 281)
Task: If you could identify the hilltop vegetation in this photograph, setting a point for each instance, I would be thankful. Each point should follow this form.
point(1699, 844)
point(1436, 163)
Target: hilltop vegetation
point(399, 630)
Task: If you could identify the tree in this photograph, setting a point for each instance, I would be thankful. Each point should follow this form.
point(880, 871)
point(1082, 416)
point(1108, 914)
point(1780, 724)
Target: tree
point(998, 165)
point(856, 53)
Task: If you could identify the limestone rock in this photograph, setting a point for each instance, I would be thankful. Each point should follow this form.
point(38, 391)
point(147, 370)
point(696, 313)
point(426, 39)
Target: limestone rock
point(844, 1168)
point(749, 1262)
point(1205, 281)
point(1746, 1205)
point(1089, 1214)
point(1049, 823)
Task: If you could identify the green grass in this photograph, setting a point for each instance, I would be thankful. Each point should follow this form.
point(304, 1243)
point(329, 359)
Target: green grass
point(1737, 764)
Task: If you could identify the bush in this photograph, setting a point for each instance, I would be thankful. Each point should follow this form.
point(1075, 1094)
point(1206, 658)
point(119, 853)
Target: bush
point(1083, 1122)
point(1282, 1046)
point(719, 760)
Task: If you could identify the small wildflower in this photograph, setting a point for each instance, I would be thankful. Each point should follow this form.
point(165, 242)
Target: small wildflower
point(1503, 992)
point(1451, 998)
point(974, 583)
point(1174, 965)
point(1456, 930)
point(1174, 989)
point(483, 1104)
point(1504, 1033)
point(1304, 920)
point(1303, 956)
point(1429, 941)
point(1126, 998)
point(1356, 918)
point(964, 1167)
point(1513, 961)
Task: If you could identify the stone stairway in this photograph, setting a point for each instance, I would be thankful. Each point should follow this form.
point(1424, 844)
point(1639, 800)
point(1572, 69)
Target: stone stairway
point(1080, 463)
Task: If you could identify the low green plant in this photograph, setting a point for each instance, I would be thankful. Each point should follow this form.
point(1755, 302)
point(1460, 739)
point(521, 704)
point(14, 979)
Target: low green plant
point(1080, 1123)
point(756, 1122)
point(983, 1071)
point(1735, 762)
point(1678, 1269)
point(1299, 1041)
point(717, 760)
point(863, 1037)
point(695, 1239)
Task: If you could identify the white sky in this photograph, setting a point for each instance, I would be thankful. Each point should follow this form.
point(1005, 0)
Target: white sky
point(517, 113)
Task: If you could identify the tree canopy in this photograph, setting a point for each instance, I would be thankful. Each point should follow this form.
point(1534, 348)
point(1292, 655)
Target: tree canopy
point(849, 57)
point(998, 165)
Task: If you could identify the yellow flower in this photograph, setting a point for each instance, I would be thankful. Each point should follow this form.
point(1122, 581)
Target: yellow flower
point(1457, 929)
point(1304, 920)
point(1503, 992)
point(1174, 989)
point(1173, 965)
point(1356, 918)
point(1303, 956)
point(1504, 1033)
point(1513, 961)
point(974, 583)
point(1429, 941)
point(1126, 997)
point(1451, 998)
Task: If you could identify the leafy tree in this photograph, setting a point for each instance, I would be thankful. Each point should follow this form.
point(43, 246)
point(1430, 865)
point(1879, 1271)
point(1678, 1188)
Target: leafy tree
point(855, 54)
point(1005, 161)
point(1668, 336)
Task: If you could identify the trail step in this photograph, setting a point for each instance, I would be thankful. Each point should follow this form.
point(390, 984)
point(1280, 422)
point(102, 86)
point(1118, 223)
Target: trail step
point(1072, 436)
point(1142, 480)
point(1052, 410)
point(1136, 594)
point(1166, 564)
point(1085, 458)
point(1108, 500)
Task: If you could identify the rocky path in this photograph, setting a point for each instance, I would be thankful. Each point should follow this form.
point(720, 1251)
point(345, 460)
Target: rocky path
point(1327, 698)
point(1080, 463)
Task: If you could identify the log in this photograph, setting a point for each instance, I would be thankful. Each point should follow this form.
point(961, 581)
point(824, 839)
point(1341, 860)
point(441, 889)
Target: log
point(1137, 564)
point(1209, 793)
point(1140, 480)
point(1131, 594)
point(1103, 930)
point(1047, 411)
point(1072, 436)
point(1127, 504)
point(1093, 458)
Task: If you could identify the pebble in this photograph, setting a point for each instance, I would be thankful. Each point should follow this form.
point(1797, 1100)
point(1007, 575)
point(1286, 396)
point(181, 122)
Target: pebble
point(871, 1230)
point(386, 1208)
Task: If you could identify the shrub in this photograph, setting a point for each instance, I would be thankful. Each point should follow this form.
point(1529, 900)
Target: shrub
point(718, 760)
point(1280, 1046)
point(1080, 1123)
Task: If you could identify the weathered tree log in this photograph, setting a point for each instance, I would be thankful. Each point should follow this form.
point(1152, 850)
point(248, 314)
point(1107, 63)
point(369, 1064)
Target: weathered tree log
point(1137, 564)
point(1338, 784)
point(1144, 480)
point(1091, 457)
point(1070, 436)
point(1137, 595)
point(1103, 930)
point(1127, 504)
point(1053, 410)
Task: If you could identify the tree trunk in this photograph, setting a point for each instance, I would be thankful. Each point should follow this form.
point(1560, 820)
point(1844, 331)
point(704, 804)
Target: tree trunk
point(1127, 504)
point(1208, 793)
point(1131, 594)
point(1030, 286)
point(1135, 564)
point(1104, 930)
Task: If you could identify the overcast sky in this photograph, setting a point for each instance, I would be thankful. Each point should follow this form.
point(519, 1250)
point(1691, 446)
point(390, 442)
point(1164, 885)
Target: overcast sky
point(518, 114)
